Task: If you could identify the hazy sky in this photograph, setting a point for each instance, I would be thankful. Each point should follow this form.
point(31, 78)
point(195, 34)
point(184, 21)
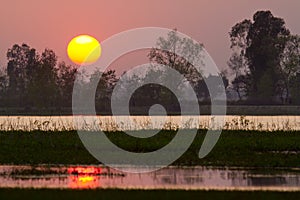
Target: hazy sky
point(53, 23)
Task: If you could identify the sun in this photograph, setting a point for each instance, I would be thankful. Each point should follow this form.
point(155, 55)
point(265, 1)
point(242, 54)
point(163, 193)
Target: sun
point(84, 50)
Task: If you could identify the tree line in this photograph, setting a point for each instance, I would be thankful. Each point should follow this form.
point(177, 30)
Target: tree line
point(265, 65)
point(33, 81)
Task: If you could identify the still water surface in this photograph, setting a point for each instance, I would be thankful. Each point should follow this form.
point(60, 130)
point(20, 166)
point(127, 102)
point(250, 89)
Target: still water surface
point(193, 178)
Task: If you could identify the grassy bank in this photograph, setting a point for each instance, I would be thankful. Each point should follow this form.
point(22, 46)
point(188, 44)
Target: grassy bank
point(140, 194)
point(234, 148)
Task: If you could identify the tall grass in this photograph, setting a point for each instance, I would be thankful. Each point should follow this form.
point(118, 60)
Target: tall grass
point(121, 123)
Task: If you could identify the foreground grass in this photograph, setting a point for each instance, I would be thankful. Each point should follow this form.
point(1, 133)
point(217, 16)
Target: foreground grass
point(46, 194)
point(234, 148)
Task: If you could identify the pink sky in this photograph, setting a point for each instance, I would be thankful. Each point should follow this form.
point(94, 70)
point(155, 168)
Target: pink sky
point(53, 23)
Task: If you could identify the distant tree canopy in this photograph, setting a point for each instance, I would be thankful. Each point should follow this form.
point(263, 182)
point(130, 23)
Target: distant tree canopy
point(32, 77)
point(166, 53)
point(265, 64)
point(37, 81)
point(259, 47)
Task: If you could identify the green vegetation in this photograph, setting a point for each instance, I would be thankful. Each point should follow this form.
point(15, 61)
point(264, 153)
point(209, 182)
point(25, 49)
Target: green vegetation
point(140, 194)
point(235, 148)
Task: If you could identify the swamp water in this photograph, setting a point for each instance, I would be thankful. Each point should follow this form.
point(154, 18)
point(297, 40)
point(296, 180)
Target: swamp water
point(185, 178)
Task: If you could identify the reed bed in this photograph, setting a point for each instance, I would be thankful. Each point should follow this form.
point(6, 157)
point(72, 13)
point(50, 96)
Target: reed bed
point(123, 123)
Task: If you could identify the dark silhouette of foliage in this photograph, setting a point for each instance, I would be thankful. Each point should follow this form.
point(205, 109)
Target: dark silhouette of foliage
point(21, 63)
point(168, 55)
point(35, 83)
point(265, 65)
point(256, 60)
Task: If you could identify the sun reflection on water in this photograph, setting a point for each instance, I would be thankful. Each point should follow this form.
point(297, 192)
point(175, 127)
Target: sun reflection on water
point(84, 177)
point(84, 182)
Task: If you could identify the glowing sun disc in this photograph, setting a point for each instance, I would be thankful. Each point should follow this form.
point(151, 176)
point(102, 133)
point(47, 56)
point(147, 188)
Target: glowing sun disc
point(84, 50)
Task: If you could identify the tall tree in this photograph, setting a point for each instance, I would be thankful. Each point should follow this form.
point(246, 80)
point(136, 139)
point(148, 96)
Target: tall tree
point(106, 82)
point(261, 43)
point(21, 61)
point(66, 75)
point(167, 54)
point(289, 68)
point(239, 69)
point(265, 46)
point(43, 88)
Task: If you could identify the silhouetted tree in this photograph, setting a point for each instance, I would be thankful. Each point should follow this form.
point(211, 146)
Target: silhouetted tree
point(66, 75)
point(289, 67)
point(36, 80)
point(21, 61)
point(167, 55)
point(261, 43)
point(215, 90)
point(43, 87)
point(105, 88)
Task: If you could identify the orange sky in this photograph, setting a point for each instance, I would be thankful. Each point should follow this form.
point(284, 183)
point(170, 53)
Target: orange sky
point(53, 23)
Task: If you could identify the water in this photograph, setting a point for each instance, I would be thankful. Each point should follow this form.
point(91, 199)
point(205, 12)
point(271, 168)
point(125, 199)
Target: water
point(192, 178)
point(108, 123)
point(187, 178)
